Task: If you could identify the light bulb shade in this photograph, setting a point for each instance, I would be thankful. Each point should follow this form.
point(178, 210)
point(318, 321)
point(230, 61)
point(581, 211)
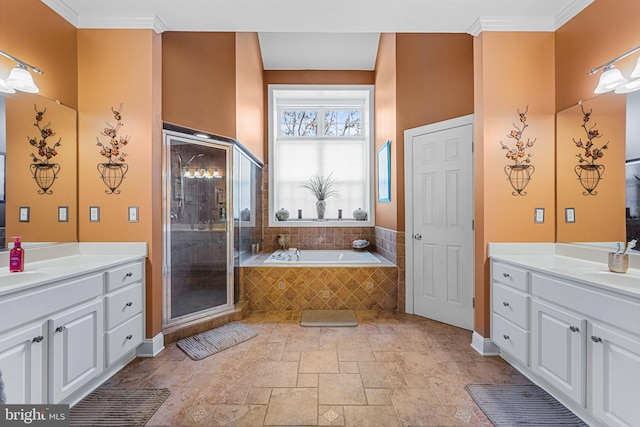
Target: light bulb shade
point(20, 79)
point(632, 86)
point(635, 74)
point(4, 88)
point(610, 80)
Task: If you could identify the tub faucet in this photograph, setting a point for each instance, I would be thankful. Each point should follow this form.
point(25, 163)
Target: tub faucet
point(297, 254)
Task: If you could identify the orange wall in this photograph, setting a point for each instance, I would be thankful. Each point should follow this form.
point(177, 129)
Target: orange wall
point(601, 32)
point(100, 88)
point(386, 125)
point(199, 81)
point(32, 32)
point(504, 85)
point(249, 94)
point(43, 225)
point(434, 83)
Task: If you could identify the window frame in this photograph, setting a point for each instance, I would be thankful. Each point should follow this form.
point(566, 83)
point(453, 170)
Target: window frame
point(284, 97)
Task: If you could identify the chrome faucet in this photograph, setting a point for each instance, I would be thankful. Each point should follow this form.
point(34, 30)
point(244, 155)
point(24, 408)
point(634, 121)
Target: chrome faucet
point(297, 254)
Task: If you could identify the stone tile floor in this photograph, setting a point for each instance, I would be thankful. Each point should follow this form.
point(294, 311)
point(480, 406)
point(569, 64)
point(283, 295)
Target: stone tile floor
point(392, 370)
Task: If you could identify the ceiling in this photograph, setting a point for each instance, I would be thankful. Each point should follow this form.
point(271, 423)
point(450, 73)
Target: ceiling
point(329, 34)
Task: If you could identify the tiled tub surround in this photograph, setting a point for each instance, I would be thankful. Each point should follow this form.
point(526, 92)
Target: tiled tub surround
point(317, 237)
point(391, 245)
point(321, 287)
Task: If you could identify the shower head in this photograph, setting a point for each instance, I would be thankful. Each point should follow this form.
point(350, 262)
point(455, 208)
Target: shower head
point(192, 158)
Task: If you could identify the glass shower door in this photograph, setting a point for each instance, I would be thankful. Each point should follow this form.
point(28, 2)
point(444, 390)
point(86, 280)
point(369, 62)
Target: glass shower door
point(197, 251)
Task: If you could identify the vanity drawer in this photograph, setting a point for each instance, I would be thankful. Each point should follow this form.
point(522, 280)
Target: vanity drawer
point(123, 339)
point(510, 338)
point(123, 304)
point(510, 275)
point(123, 276)
point(511, 304)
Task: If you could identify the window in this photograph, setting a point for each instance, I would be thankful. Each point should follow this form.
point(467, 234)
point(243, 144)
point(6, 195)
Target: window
point(324, 131)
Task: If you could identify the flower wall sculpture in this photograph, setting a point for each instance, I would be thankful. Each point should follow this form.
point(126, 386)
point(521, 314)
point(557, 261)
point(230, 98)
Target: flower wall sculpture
point(520, 172)
point(43, 172)
point(113, 171)
point(589, 172)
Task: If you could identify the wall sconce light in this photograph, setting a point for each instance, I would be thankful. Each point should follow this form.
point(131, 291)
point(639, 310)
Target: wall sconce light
point(613, 80)
point(19, 78)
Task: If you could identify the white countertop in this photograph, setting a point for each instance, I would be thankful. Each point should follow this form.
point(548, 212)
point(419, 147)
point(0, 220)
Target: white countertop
point(587, 265)
point(44, 265)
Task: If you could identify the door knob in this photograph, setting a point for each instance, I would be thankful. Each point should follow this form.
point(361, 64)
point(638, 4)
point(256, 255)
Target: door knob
point(417, 236)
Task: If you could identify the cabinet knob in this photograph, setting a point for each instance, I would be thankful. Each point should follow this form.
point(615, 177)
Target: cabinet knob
point(129, 274)
point(506, 274)
point(61, 328)
point(39, 338)
point(129, 304)
point(129, 337)
point(574, 328)
point(506, 304)
point(505, 336)
point(596, 339)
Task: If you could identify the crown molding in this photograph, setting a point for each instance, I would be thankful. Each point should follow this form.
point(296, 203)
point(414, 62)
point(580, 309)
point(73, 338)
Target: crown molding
point(570, 11)
point(538, 24)
point(63, 9)
point(130, 22)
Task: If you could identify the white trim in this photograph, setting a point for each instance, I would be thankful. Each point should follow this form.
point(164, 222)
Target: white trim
point(408, 196)
point(483, 345)
point(520, 24)
point(151, 347)
point(130, 22)
point(569, 12)
point(64, 10)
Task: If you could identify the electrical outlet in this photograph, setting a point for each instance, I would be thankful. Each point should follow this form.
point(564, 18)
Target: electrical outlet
point(281, 285)
point(369, 285)
point(325, 294)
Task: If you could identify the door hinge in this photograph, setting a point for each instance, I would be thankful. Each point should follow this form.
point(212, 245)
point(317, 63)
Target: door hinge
point(473, 147)
point(473, 224)
point(473, 303)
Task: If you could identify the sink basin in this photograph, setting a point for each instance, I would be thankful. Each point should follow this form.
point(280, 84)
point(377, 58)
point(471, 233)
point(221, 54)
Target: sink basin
point(618, 279)
point(24, 277)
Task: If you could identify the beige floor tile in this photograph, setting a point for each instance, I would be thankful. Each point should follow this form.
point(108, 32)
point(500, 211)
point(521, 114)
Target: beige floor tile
point(307, 380)
point(355, 352)
point(362, 416)
point(330, 415)
point(319, 362)
point(290, 356)
point(378, 396)
point(293, 407)
point(276, 374)
point(341, 389)
point(238, 415)
point(419, 407)
point(381, 375)
point(258, 396)
point(349, 368)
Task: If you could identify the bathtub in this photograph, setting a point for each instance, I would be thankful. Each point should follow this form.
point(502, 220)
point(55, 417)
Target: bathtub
point(322, 257)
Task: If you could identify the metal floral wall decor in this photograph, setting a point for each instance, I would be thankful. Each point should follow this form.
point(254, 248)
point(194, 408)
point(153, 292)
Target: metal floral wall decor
point(114, 170)
point(589, 172)
point(519, 173)
point(44, 172)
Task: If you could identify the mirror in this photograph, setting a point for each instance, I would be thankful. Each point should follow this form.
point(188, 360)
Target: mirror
point(40, 203)
point(598, 198)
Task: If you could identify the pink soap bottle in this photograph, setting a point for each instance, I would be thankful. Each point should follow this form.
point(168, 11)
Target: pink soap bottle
point(16, 257)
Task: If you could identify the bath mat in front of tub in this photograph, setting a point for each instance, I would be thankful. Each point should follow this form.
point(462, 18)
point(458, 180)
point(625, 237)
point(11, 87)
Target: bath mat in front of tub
point(509, 405)
point(215, 340)
point(328, 318)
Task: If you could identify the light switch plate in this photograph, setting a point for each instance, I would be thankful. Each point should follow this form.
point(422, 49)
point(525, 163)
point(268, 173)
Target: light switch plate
point(94, 213)
point(133, 214)
point(24, 213)
point(63, 213)
point(569, 215)
point(538, 217)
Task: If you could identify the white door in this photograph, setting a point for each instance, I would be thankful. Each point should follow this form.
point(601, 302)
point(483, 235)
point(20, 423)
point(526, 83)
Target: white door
point(441, 228)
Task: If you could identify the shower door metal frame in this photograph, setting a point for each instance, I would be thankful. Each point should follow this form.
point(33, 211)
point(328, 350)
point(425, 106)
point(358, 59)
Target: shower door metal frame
point(168, 136)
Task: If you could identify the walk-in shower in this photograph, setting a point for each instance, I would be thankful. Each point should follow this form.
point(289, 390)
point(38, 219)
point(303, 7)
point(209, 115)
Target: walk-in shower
point(210, 223)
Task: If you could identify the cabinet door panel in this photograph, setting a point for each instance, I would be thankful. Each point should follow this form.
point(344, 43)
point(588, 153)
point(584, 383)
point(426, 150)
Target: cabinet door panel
point(559, 349)
point(77, 350)
point(616, 377)
point(21, 361)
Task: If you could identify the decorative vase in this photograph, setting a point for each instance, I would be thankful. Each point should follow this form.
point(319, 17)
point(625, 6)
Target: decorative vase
point(359, 214)
point(45, 175)
point(112, 175)
point(519, 176)
point(589, 176)
point(321, 207)
point(282, 214)
point(245, 214)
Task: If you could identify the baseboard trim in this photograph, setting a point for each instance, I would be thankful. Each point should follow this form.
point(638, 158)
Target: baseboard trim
point(484, 346)
point(151, 347)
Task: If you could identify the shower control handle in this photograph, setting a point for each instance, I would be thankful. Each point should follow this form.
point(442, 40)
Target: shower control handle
point(417, 236)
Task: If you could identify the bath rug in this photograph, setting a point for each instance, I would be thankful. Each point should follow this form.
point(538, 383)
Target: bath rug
point(328, 318)
point(215, 340)
point(117, 407)
point(511, 405)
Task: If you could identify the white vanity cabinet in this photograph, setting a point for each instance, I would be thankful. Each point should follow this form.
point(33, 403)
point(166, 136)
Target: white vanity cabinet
point(62, 338)
point(580, 341)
